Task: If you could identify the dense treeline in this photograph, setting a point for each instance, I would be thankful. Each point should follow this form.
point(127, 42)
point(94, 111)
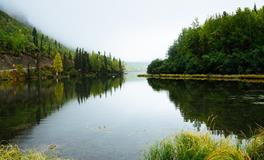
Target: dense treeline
point(17, 39)
point(96, 63)
point(224, 44)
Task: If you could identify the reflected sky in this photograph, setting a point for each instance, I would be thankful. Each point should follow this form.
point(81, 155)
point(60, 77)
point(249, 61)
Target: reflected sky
point(113, 119)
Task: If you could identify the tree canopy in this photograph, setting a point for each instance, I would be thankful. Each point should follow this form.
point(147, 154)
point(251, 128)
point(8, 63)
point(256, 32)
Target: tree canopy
point(224, 44)
point(57, 64)
point(17, 39)
point(96, 63)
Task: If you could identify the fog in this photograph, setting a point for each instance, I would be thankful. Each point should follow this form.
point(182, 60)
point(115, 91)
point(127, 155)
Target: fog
point(133, 30)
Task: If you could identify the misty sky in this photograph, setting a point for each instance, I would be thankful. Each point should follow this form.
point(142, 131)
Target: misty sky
point(133, 30)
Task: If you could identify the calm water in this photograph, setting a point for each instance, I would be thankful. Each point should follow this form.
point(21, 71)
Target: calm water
point(120, 118)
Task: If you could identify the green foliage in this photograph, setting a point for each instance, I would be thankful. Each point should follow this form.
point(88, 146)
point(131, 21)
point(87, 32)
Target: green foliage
point(17, 38)
point(255, 148)
point(224, 44)
point(155, 66)
point(188, 145)
point(27, 103)
point(57, 64)
point(198, 100)
point(5, 75)
point(58, 92)
point(96, 63)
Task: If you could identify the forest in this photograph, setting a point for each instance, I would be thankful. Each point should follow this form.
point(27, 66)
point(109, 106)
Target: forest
point(227, 43)
point(19, 39)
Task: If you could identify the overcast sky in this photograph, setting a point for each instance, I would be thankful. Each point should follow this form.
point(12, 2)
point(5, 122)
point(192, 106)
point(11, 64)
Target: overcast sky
point(133, 30)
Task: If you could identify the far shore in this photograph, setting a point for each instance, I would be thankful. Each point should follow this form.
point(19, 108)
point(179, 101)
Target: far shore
point(252, 78)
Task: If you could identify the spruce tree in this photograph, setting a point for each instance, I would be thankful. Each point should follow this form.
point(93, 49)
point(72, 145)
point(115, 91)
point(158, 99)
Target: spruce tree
point(35, 36)
point(49, 50)
point(255, 7)
point(76, 58)
point(41, 42)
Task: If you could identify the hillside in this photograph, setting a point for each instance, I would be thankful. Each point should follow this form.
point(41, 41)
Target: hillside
point(18, 45)
point(24, 44)
point(225, 44)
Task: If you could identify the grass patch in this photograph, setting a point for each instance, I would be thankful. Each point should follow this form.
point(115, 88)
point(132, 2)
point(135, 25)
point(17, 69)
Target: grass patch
point(253, 78)
point(13, 152)
point(196, 146)
point(255, 147)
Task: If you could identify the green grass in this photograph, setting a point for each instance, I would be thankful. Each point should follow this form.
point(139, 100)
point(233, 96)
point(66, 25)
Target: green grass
point(256, 78)
point(255, 147)
point(197, 146)
point(13, 152)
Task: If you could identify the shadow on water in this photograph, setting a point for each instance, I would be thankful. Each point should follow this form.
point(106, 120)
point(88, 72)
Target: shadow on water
point(26, 104)
point(234, 107)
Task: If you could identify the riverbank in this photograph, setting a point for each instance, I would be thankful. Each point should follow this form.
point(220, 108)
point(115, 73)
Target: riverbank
point(185, 146)
point(253, 78)
point(193, 145)
point(23, 74)
point(13, 152)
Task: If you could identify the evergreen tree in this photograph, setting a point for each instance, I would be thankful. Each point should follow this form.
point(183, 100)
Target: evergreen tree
point(65, 62)
point(105, 64)
point(35, 36)
point(76, 59)
point(55, 43)
point(96, 63)
point(49, 50)
point(255, 7)
point(41, 42)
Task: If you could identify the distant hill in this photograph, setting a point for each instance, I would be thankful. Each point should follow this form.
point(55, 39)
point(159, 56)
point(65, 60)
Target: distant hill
point(136, 66)
point(23, 44)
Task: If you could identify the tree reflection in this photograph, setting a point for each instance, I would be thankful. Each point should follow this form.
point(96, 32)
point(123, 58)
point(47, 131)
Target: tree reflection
point(86, 88)
point(236, 107)
point(25, 104)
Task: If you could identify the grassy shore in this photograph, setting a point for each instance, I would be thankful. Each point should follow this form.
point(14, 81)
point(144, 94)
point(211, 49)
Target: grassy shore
point(256, 78)
point(13, 152)
point(197, 146)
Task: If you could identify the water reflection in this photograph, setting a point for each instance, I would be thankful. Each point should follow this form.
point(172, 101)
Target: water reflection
point(225, 107)
point(24, 105)
point(86, 88)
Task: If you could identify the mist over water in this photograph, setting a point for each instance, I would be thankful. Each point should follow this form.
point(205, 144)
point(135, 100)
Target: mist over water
point(138, 30)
